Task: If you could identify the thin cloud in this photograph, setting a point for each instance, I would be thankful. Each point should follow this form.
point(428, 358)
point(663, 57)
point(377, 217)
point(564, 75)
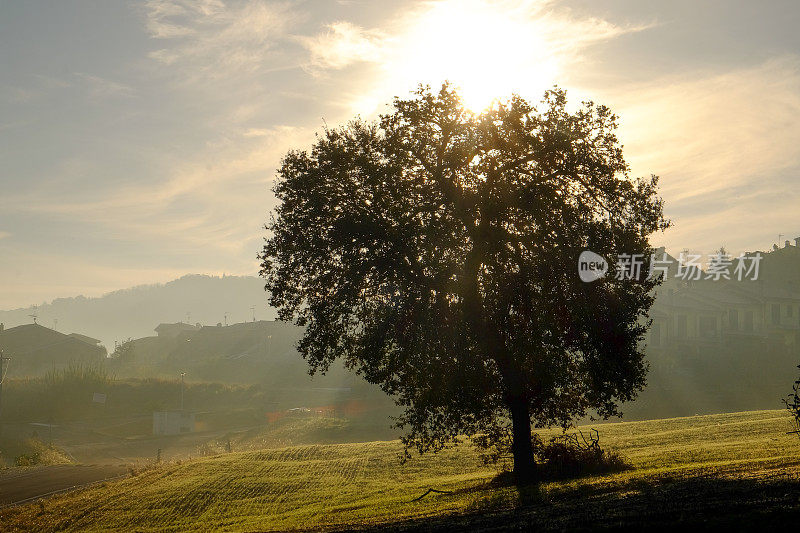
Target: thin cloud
point(712, 132)
point(190, 209)
point(343, 44)
point(489, 48)
point(724, 142)
point(211, 39)
point(726, 146)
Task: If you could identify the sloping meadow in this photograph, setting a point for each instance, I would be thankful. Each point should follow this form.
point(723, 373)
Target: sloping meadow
point(364, 485)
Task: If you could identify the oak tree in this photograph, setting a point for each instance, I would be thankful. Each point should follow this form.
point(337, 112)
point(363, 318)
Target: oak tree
point(435, 251)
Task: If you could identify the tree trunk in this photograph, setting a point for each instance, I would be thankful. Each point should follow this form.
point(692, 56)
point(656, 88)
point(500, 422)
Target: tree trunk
point(524, 465)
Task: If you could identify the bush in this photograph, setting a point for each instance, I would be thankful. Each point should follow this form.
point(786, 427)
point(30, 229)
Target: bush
point(27, 459)
point(569, 455)
point(572, 455)
point(32, 452)
point(792, 404)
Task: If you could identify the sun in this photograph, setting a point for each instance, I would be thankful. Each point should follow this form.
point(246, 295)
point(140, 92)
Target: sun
point(487, 51)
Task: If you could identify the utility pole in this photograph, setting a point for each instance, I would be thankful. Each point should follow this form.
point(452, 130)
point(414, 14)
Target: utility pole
point(253, 308)
point(3, 372)
point(182, 375)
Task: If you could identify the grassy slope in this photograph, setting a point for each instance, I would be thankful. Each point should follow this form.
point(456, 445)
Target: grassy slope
point(29, 452)
point(353, 485)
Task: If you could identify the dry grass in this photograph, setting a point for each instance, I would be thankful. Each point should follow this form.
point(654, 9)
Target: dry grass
point(363, 485)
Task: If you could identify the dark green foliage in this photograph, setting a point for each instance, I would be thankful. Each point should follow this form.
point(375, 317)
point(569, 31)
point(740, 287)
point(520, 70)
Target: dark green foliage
point(435, 251)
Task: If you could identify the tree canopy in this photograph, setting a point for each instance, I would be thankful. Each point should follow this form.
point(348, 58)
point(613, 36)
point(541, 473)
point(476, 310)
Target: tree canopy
point(435, 250)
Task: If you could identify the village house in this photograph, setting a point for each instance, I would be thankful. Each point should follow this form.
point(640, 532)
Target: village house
point(693, 316)
point(36, 348)
point(173, 330)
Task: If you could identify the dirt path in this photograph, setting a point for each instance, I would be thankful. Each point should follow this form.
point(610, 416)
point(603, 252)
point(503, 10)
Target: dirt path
point(18, 485)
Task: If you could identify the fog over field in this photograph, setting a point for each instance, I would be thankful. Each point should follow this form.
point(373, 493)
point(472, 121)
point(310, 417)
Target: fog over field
point(136, 311)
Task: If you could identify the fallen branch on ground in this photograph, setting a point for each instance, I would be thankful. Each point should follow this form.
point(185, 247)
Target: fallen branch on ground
point(432, 490)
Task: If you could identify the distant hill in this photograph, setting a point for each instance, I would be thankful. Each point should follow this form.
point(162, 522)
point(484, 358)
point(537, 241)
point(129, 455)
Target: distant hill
point(134, 312)
point(249, 352)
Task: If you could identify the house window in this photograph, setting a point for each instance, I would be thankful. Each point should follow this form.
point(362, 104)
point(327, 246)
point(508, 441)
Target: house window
point(680, 326)
point(776, 313)
point(747, 321)
point(733, 319)
point(707, 326)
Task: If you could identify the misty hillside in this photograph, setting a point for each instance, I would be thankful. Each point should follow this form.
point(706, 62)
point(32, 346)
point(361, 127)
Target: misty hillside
point(134, 312)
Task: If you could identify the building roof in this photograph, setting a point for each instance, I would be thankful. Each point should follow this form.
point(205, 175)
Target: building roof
point(177, 326)
point(35, 340)
point(85, 338)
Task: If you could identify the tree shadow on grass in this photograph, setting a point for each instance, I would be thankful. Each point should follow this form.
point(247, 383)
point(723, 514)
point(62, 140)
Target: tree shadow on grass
point(662, 503)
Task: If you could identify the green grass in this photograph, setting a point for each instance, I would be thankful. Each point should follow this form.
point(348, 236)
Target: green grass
point(300, 431)
point(359, 485)
point(29, 452)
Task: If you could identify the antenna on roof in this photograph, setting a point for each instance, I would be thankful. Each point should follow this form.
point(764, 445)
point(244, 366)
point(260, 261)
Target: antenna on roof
point(253, 308)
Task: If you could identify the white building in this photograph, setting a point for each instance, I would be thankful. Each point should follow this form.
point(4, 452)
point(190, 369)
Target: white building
point(172, 422)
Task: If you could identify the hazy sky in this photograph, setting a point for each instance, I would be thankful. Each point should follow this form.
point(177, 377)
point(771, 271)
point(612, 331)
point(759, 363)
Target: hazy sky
point(138, 140)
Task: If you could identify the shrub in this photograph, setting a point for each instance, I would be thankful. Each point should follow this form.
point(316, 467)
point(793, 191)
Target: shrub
point(27, 459)
point(792, 404)
point(569, 455)
point(572, 455)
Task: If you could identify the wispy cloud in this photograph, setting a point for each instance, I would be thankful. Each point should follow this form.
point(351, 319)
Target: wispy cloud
point(211, 39)
point(715, 131)
point(191, 208)
point(726, 145)
point(565, 34)
point(181, 170)
point(342, 44)
point(489, 48)
point(228, 50)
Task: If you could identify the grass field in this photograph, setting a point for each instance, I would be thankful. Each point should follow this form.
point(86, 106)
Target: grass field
point(725, 469)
